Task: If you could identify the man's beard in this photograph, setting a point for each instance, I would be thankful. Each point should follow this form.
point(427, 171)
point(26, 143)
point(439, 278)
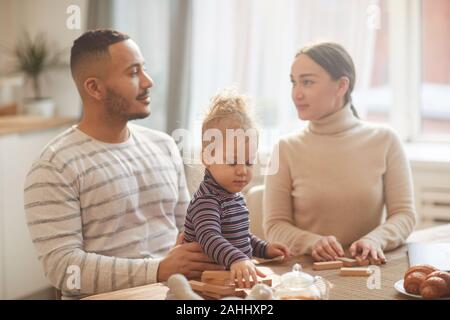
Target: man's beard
point(117, 107)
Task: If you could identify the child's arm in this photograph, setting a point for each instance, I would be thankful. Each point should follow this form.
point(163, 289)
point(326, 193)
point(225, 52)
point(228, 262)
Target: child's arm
point(266, 250)
point(258, 246)
point(206, 221)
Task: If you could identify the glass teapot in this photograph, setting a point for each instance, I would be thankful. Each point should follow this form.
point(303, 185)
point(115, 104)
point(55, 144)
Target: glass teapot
point(298, 285)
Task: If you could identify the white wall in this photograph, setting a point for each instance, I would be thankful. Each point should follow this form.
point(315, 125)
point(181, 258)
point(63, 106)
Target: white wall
point(6, 34)
point(48, 16)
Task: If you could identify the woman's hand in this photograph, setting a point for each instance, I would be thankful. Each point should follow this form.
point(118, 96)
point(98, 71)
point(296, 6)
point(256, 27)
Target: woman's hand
point(327, 249)
point(243, 270)
point(274, 250)
point(364, 248)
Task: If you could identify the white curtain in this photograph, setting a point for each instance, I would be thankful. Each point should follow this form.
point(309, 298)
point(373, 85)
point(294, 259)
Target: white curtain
point(148, 23)
point(251, 44)
point(247, 43)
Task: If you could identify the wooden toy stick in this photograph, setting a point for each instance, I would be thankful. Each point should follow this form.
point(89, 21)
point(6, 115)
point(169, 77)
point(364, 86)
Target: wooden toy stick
point(356, 272)
point(328, 265)
point(348, 262)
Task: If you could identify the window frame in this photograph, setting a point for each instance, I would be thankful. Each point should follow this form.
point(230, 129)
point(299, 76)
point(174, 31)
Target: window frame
point(405, 72)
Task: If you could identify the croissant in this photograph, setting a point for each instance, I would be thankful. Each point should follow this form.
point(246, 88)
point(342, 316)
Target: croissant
point(436, 285)
point(415, 276)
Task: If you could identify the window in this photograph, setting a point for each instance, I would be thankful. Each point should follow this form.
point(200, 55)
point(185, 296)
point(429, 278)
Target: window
point(402, 65)
point(435, 86)
point(402, 61)
point(252, 44)
point(378, 98)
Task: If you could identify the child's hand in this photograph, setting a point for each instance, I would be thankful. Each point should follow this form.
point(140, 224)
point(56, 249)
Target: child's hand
point(243, 270)
point(278, 249)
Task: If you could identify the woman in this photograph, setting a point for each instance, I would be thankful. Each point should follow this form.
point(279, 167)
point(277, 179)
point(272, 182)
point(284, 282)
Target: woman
point(337, 175)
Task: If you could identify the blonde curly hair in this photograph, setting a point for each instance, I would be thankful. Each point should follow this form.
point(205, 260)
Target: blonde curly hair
point(229, 107)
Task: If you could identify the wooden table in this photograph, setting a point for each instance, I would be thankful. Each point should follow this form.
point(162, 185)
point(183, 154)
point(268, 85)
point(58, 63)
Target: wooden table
point(344, 288)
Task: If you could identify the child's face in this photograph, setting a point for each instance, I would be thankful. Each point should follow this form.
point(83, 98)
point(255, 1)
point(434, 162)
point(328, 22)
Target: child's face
point(234, 173)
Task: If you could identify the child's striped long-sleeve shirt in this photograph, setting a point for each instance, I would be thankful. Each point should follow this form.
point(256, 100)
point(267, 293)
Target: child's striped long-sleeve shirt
point(218, 220)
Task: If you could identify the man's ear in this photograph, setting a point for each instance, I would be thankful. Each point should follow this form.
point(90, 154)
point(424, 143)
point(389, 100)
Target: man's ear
point(95, 88)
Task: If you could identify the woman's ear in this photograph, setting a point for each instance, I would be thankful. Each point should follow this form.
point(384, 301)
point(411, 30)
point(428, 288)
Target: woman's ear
point(94, 88)
point(343, 86)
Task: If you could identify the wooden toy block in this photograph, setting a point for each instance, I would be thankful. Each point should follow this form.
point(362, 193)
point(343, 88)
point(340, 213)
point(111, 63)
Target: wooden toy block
point(216, 292)
point(219, 282)
point(211, 288)
point(222, 290)
point(225, 275)
point(362, 262)
point(210, 295)
point(328, 265)
point(355, 272)
point(348, 262)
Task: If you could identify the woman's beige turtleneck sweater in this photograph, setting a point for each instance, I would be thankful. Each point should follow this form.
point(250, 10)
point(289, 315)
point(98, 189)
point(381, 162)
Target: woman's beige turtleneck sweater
point(334, 178)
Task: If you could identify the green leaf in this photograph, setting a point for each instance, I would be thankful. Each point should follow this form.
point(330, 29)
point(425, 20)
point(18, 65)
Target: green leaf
point(34, 56)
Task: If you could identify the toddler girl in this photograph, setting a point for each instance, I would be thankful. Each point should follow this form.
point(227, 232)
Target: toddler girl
point(217, 216)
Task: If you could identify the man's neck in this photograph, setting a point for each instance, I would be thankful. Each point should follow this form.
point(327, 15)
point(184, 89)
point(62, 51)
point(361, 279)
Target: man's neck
point(105, 131)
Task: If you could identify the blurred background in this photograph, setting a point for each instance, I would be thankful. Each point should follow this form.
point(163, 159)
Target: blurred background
point(193, 48)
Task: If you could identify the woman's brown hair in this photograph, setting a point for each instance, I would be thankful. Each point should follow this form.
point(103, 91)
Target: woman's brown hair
point(337, 63)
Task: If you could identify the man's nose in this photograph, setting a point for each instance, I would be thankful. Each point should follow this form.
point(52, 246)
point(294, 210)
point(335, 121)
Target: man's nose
point(147, 81)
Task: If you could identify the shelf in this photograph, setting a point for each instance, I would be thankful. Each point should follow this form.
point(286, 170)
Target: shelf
point(21, 124)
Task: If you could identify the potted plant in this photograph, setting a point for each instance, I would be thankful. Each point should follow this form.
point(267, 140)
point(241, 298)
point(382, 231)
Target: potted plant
point(33, 57)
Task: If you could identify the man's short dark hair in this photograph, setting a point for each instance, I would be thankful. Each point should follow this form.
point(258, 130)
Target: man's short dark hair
point(94, 43)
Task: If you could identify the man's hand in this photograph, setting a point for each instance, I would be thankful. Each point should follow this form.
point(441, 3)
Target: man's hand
point(180, 239)
point(327, 249)
point(243, 270)
point(187, 259)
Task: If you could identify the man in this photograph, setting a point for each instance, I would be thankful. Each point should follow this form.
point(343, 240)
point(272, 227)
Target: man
point(106, 199)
